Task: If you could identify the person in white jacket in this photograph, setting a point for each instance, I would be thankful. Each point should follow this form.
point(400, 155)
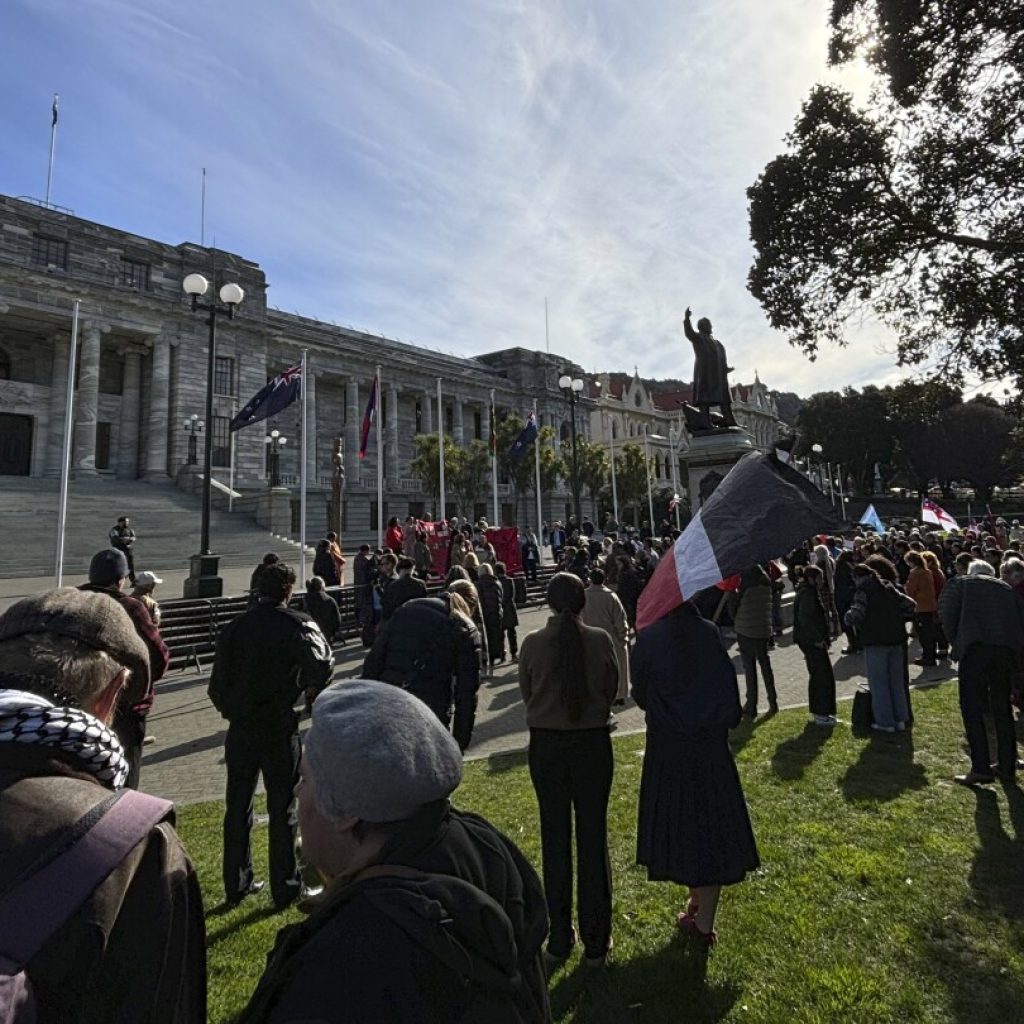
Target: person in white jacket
point(604, 610)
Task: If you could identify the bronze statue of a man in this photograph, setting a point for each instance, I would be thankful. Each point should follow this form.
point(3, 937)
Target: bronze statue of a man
point(710, 372)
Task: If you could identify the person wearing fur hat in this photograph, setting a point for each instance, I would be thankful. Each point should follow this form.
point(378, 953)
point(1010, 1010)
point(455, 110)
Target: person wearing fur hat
point(429, 913)
point(128, 942)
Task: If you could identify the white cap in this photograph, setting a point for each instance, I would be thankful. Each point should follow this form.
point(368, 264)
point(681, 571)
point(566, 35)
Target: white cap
point(144, 579)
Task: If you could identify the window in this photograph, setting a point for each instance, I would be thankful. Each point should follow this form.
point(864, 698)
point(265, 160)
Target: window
point(221, 440)
point(224, 376)
point(419, 420)
point(134, 273)
point(637, 400)
point(449, 421)
point(49, 252)
point(478, 425)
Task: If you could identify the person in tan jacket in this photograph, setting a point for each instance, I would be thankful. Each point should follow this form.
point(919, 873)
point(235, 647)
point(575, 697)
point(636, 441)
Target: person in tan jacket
point(568, 676)
point(604, 610)
point(921, 589)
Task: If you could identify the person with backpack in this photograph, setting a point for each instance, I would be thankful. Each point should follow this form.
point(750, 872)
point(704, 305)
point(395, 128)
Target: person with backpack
point(101, 917)
point(429, 913)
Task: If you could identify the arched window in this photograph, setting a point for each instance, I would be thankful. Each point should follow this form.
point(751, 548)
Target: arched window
point(630, 429)
point(5, 365)
point(565, 433)
point(637, 400)
point(615, 429)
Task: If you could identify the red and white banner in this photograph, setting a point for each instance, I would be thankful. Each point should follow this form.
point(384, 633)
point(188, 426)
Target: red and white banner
point(932, 513)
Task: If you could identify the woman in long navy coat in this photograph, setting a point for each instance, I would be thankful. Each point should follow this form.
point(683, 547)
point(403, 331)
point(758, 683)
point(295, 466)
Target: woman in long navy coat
point(693, 824)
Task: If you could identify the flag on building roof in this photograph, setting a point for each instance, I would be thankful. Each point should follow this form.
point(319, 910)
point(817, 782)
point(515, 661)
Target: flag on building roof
point(872, 519)
point(932, 513)
point(760, 511)
point(526, 437)
point(371, 411)
point(277, 394)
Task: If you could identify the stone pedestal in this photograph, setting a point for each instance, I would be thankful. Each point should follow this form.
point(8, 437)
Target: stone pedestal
point(713, 453)
point(274, 510)
point(203, 580)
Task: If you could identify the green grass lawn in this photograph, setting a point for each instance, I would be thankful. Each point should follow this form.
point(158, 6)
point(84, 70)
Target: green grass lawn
point(887, 892)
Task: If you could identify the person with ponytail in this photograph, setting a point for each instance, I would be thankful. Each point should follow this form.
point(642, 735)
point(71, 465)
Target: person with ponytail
point(568, 675)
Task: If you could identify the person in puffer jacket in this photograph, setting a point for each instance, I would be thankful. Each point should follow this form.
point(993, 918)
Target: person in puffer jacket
point(752, 620)
point(430, 647)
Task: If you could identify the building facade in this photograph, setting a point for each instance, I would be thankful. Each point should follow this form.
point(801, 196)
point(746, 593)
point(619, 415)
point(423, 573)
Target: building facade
point(142, 368)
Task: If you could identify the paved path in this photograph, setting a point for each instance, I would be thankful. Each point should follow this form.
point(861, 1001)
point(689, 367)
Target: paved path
point(186, 763)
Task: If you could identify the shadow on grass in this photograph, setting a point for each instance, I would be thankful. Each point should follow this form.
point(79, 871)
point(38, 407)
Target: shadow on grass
point(995, 874)
point(241, 921)
point(500, 763)
point(651, 988)
point(885, 769)
point(744, 732)
point(793, 756)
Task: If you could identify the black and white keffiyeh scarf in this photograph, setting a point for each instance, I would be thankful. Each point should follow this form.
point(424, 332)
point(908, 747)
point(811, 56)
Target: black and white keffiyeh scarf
point(27, 718)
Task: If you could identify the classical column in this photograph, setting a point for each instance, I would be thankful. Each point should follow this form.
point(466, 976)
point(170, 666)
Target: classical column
point(128, 429)
point(159, 410)
point(87, 407)
point(392, 442)
point(457, 432)
point(352, 417)
point(58, 403)
point(428, 415)
point(311, 462)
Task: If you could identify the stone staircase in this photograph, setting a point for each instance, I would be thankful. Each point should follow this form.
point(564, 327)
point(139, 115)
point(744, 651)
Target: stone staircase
point(166, 520)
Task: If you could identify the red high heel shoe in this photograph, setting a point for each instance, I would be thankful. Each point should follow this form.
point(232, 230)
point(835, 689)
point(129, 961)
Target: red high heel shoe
point(688, 925)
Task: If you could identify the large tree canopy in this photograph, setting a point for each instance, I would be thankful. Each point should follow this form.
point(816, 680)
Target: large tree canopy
point(911, 209)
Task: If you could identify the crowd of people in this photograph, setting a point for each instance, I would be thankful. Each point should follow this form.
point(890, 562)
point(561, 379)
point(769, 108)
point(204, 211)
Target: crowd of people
point(370, 790)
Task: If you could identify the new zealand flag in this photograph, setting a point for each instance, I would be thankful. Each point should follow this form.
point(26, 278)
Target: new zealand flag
point(526, 437)
point(274, 396)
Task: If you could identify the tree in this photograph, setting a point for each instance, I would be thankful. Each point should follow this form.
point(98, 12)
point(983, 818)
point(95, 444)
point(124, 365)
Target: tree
point(552, 465)
point(519, 472)
point(594, 468)
point(470, 474)
point(631, 469)
point(979, 439)
point(915, 411)
point(911, 210)
point(853, 429)
point(426, 466)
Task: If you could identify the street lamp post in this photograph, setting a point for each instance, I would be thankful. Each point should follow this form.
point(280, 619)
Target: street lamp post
point(276, 442)
point(193, 427)
point(571, 388)
point(203, 580)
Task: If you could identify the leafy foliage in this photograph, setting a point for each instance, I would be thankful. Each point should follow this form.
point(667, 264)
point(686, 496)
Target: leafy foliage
point(426, 465)
point(631, 469)
point(911, 210)
point(594, 466)
point(470, 474)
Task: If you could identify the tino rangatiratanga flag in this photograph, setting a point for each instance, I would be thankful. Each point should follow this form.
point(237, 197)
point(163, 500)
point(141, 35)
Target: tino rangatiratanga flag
point(760, 511)
point(274, 396)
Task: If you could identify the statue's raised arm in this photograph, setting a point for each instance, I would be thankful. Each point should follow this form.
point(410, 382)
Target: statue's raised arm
point(688, 330)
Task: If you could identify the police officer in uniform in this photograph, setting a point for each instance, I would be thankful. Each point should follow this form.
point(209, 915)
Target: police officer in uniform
point(265, 659)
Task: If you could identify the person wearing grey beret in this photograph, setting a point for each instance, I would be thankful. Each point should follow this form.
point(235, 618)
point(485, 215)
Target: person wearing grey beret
point(93, 952)
point(376, 821)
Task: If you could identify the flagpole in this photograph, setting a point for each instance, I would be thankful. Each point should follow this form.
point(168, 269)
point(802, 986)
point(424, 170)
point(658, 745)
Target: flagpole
point(65, 464)
point(380, 469)
point(615, 490)
point(202, 214)
point(831, 493)
point(494, 460)
point(53, 146)
point(536, 467)
point(231, 470)
point(302, 477)
point(842, 499)
point(441, 514)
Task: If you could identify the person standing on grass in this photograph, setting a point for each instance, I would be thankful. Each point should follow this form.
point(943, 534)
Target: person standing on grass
point(568, 676)
point(429, 913)
point(265, 659)
point(604, 611)
point(693, 827)
point(752, 621)
point(920, 588)
point(984, 621)
point(877, 617)
point(811, 633)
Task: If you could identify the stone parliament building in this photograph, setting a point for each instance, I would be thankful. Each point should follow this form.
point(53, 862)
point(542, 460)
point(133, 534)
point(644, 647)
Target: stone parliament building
point(142, 366)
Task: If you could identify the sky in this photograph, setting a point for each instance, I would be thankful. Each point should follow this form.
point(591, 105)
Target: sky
point(434, 171)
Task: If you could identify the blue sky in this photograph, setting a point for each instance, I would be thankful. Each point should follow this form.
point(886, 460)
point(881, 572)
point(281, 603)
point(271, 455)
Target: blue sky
point(432, 170)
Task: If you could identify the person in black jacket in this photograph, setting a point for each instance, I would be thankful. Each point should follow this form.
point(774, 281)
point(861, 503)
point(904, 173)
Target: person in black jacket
point(270, 558)
point(492, 612)
point(323, 608)
point(323, 564)
point(509, 614)
point(811, 633)
point(429, 913)
point(431, 648)
point(403, 587)
point(265, 659)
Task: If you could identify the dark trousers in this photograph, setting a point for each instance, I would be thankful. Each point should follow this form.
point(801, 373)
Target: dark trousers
point(753, 653)
point(130, 729)
point(530, 568)
point(272, 749)
point(985, 673)
point(130, 559)
point(925, 622)
point(571, 771)
point(821, 682)
point(512, 640)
